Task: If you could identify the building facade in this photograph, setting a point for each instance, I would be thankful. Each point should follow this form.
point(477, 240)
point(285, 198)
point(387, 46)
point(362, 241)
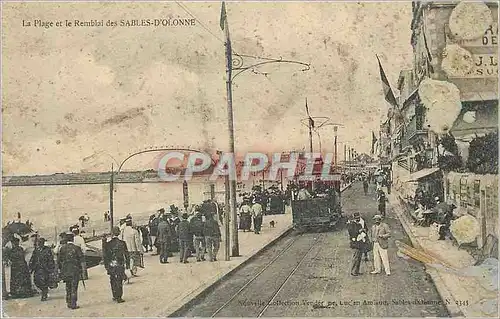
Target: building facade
point(441, 53)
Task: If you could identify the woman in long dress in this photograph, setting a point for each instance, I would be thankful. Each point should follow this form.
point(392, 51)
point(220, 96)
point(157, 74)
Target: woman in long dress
point(20, 278)
point(245, 216)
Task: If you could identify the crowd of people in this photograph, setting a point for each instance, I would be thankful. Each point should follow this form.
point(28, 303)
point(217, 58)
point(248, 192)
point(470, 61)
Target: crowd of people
point(46, 267)
point(252, 206)
point(167, 233)
point(195, 235)
point(428, 210)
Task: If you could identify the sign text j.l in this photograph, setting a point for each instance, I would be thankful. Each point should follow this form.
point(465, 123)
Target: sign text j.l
point(485, 66)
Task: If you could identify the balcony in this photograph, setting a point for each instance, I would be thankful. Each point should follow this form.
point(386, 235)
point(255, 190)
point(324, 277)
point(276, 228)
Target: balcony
point(415, 128)
point(404, 143)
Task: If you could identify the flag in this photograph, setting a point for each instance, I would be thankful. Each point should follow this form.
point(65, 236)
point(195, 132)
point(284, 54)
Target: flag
point(374, 141)
point(311, 121)
point(389, 95)
point(430, 69)
point(223, 15)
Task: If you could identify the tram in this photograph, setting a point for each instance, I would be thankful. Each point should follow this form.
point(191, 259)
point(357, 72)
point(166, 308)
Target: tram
point(316, 203)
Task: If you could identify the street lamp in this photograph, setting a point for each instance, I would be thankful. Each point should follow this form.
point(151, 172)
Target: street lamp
point(115, 174)
point(335, 129)
point(307, 122)
point(319, 141)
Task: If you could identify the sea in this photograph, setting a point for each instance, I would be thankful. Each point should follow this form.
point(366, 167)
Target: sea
point(52, 209)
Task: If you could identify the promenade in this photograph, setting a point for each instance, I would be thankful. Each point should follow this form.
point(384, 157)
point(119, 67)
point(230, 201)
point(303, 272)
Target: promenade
point(159, 289)
point(468, 297)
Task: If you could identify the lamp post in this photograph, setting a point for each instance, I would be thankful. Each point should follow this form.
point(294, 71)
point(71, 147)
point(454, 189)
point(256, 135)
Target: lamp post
point(345, 158)
point(238, 64)
point(335, 128)
point(319, 141)
point(307, 122)
point(115, 174)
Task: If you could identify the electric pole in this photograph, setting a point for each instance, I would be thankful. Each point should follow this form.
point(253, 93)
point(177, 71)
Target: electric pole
point(111, 191)
point(311, 125)
point(335, 147)
point(232, 193)
point(227, 241)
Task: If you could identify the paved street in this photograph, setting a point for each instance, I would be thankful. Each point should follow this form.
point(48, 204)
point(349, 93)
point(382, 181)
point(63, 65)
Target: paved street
point(308, 275)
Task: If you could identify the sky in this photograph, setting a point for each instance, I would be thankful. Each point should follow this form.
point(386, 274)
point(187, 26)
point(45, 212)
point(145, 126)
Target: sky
point(79, 98)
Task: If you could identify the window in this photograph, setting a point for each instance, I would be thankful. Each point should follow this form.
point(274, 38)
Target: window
point(489, 201)
point(477, 194)
point(448, 190)
point(464, 196)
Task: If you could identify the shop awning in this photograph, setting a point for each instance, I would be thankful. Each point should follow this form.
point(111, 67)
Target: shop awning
point(421, 174)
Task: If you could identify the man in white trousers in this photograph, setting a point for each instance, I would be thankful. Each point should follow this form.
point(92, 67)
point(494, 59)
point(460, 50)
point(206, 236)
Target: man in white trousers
point(380, 235)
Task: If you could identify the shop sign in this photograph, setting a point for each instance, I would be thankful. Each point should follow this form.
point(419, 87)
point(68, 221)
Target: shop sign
point(489, 39)
point(485, 66)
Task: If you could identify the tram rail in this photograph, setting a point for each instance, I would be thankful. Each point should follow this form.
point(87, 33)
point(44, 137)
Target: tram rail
point(275, 260)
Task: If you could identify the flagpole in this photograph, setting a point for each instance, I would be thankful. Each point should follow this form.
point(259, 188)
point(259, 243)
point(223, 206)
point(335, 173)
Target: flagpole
point(310, 130)
point(232, 192)
point(380, 147)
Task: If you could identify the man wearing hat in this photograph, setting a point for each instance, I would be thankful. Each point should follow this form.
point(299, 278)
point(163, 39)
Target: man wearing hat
point(70, 262)
point(80, 242)
point(356, 232)
point(380, 235)
point(257, 216)
point(357, 218)
point(153, 231)
point(382, 199)
point(212, 237)
point(185, 238)
point(164, 238)
point(196, 225)
point(133, 242)
point(116, 260)
point(42, 264)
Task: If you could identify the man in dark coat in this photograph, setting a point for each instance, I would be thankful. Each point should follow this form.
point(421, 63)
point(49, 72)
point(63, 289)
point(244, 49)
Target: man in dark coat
point(70, 262)
point(355, 230)
point(185, 237)
point(365, 185)
point(196, 226)
point(382, 199)
point(164, 238)
point(43, 265)
point(174, 221)
point(212, 234)
point(145, 237)
point(208, 207)
point(116, 260)
point(153, 231)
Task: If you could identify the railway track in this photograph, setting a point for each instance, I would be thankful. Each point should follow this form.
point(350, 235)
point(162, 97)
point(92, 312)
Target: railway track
point(271, 282)
point(259, 285)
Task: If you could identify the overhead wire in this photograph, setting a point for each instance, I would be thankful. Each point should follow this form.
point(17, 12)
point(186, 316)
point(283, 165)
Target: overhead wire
point(232, 49)
point(203, 25)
